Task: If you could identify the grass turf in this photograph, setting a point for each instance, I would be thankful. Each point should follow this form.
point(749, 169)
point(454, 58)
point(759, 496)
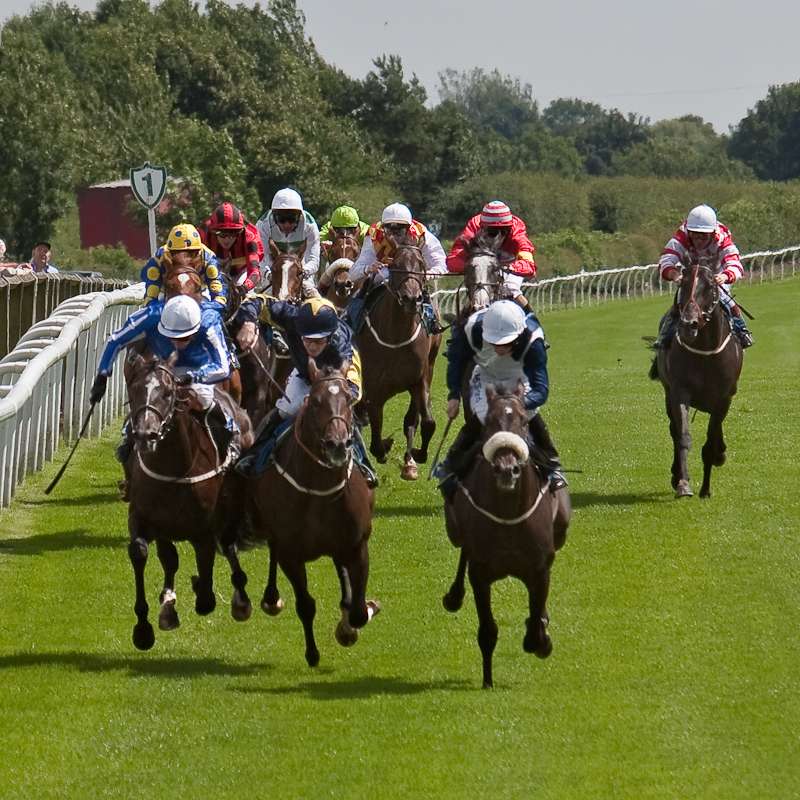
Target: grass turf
point(675, 624)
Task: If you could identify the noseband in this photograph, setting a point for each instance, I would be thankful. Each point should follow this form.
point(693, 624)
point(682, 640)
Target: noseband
point(407, 275)
point(705, 314)
point(319, 432)
point(165, 417)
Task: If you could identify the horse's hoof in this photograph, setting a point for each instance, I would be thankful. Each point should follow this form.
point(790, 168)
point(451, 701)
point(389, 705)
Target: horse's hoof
point(144, 636)
point(168, 617)
point(546, 648)
point(273, 609)
point(241, 610)
point(453, 601)
point(420, 456)
point(409, 472)
point(312, 657)
point(373, 608)
point(720, 460)
point(683, 490)
point(705, 494)
point(346, 635)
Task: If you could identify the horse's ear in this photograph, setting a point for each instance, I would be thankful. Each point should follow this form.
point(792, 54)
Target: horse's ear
point(173, 359)
point(273, 249)
point(520, 390)
point(491, 392)
point(314, 373)
point(301, 250)
point(136, 359)
point(166, 260)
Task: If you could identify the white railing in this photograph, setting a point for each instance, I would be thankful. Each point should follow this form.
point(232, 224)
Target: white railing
point(587, 288)
point(45, 380)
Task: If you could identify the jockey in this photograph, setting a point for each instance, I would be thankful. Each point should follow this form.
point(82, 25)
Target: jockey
point(701, 238)
point(514, 248)
point(230, 236)
point(288, 224)
point(378, 252)
point(199, 339)
point(183, 238)
point(507, 346)
point(344, 220)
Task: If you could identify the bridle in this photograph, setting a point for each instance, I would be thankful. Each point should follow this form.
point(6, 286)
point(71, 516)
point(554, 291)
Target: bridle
point(281, 261)
point(418, 276)
point(707, 313)
point(167, 416)
point(320, 432)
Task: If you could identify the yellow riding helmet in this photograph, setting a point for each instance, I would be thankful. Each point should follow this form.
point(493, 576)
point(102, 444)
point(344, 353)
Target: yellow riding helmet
point(184, 237)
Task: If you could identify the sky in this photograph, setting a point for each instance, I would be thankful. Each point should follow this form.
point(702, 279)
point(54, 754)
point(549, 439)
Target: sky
point(711, 58)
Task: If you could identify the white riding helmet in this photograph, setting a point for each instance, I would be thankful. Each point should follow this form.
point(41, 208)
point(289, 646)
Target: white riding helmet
point(702, 219)
point(396, 212)
point(180, 318)
point(503, 322)
point(287, 200)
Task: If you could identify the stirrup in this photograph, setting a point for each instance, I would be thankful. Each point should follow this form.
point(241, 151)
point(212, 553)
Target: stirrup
point(279, 345)
point(558, 480)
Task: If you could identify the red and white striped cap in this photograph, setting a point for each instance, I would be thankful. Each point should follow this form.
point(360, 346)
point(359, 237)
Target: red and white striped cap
point(496, 213)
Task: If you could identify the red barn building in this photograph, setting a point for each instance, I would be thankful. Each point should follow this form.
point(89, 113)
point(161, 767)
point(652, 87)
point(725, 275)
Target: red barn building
point(104, 220)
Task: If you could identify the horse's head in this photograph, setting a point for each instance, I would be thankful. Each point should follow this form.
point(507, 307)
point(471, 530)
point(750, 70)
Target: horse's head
point(481, 271)
point(287, 272)
point(698, 296)
point(329, 412)
point(341, 289)
point(407, 274)
point(182, 279)
point(344, 245)
point(151, 392)
point(235, 291)
point(505, 444)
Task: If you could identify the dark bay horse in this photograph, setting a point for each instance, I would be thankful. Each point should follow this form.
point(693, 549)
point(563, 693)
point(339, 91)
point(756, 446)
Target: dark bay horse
point(700, 370)
point(312, 502)
point(506, 521)
point(397, 355)
point(339, 292)
point(177, 487)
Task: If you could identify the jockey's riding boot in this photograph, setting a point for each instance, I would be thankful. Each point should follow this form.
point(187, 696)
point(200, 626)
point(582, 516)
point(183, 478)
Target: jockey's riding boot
point(362, 459)
point(429, 319)
point(125, 448)
point(666, 329)
point(740, 329)
point(218, 426)
point(459, 458)
point(268, 426)
point(279, 344)
point(543, 442)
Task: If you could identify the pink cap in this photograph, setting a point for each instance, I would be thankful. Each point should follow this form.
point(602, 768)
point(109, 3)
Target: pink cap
point(496, 213)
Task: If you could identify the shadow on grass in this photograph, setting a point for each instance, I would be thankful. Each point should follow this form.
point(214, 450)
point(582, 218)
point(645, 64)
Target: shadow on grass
point(63, 540)
point(361, 688)
point(407, 511)
point(99, 498)
point(142, 666)
point(589, 499)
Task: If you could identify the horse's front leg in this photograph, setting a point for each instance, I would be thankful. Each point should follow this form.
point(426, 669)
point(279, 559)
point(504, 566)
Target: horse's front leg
point(714, 447)
point(361, 610)
point(487, 627)
point(143, 634)
point(537, 640)
point(305, 605)
point(203, 583)
point(168, 556)
point(241, 607)
point(378, 447)
point(421, 396)
point(454, 599)
point(271, 602)
point(410, 422)
point(678, 413)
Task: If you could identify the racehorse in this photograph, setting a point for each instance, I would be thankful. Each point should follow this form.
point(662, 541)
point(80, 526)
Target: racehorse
point(344, 245)
point(398, 356)
point(177, 480)
point(482, 276)
point(311, 502)
point(700, 369)
point(506, 521)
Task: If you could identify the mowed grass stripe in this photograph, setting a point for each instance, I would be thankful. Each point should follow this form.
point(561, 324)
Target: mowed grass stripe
point(675, 624)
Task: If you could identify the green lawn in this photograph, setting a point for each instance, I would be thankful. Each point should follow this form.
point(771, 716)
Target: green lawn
point(675, 624)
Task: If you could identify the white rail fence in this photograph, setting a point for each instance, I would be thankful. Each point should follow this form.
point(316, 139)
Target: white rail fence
point(588, 288)
point(45, 381)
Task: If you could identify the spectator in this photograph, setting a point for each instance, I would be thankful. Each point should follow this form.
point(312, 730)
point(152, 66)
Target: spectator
point(40, 259)
point(2, 250)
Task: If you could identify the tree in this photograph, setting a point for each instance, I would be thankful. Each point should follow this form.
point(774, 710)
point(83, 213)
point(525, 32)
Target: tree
point(767, 139)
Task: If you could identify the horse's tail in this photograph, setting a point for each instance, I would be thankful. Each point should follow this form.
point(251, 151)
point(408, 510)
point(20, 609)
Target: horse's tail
point(654, 376)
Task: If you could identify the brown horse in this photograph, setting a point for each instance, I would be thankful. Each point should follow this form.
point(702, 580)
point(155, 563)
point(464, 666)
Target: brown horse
point(311, 502)
point(339, 292)
point(397, 355)
point(506, 521)
point(482, 276)
point(700, 370)
point(177, 485)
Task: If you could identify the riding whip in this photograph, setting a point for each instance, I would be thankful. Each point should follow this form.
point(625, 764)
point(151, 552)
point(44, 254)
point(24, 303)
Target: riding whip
point(439, 449)
point(72, 452)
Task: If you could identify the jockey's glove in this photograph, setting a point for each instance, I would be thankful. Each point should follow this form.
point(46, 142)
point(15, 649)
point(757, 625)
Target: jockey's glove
point(183, 380)
point(98, 389)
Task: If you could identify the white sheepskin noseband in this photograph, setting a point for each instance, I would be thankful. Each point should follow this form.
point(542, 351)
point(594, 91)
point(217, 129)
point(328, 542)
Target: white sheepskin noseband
point(505, 439)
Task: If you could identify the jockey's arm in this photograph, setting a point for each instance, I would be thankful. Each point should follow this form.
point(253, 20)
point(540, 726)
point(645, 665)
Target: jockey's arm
point(213, 283)
point(216, 361)
point(152, 275)
point(365, 260)
point(534, 366)
point(138, 326)
point(353, 375)
point(435, 258)
point(311, 255)
point(523, 265)
point(459, 353)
